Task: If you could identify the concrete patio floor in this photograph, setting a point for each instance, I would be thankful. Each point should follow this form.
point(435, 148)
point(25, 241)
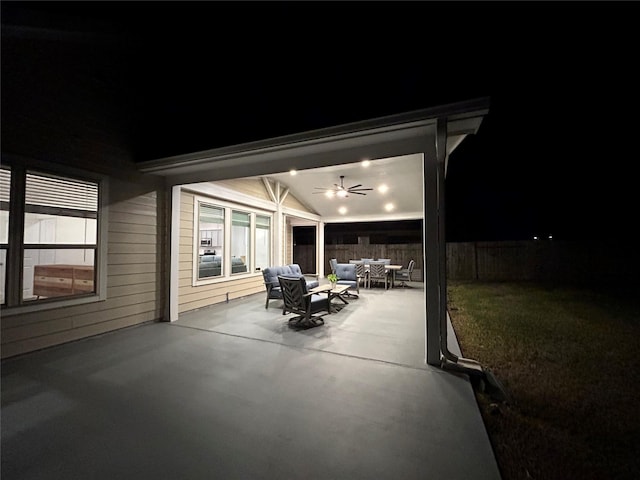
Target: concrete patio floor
point(232, 392)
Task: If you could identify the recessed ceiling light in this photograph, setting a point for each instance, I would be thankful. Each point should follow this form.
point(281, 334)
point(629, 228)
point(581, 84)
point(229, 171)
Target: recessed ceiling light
point(388, 207)
point(293, 172)
point(366, 163)
point(342, 210)
point(383, 188)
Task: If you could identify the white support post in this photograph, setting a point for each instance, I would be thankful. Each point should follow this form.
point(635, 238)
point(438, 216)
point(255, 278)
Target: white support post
point(174, 252)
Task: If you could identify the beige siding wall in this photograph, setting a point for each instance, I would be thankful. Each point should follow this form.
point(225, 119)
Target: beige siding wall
point(192, 297)
point(248, 186)
point(135, 274)
point(292, 202)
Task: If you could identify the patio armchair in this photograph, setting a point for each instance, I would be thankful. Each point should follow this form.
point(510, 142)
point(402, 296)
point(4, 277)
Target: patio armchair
point(348, 275)
point(297, 299)
point(404, 275)
point(270, 277)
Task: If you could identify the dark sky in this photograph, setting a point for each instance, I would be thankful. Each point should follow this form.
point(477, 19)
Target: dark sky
point(554, 156)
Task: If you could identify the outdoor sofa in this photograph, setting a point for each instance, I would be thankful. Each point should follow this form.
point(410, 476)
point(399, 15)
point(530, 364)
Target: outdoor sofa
point(272, 284)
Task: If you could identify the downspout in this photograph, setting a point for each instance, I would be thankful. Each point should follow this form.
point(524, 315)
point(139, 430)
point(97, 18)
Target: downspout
point(448, 360)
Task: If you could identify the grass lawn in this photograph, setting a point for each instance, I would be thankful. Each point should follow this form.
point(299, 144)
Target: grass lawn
point(569, 356)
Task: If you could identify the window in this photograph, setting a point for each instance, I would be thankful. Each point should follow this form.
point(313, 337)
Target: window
point(230, 241)
point(240, 241)
point(263, 242)
point(53, 230)
point(211, 236)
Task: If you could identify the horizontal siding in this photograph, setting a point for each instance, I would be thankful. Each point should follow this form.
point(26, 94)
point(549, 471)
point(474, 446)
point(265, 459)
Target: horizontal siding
point(122, 258)
point(133, 279)
point(121, 217)
point(39, 342)
point(219, 295)
point(128, 248)
point(134, 268)
point(135, 292)
point(188, 290)
point(248, 186)
point(131, 289)
point(118, 227)
point(292, 202)
point(132, 305)
point(21, 321)
point(116, 238)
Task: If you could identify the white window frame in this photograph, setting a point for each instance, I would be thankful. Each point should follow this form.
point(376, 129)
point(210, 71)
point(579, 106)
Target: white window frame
point(228, 207)
point(14, 305)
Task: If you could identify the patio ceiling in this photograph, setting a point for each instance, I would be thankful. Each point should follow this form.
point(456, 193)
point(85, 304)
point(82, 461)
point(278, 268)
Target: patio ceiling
point(401, 175)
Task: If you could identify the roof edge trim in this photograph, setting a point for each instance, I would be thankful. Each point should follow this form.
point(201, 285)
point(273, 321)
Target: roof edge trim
point(453, 111)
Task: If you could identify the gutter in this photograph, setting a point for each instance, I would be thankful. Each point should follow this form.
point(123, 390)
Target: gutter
point(480, 377)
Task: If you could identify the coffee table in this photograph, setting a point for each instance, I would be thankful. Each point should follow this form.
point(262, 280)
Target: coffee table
point(335, 292)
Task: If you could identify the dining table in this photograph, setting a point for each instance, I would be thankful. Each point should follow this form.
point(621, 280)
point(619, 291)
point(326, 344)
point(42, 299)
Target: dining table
point(389, 267)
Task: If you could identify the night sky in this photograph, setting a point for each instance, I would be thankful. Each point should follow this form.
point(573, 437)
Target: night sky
point(554, 155)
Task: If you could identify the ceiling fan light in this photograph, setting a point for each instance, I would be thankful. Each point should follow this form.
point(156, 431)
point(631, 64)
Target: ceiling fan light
point(341, 193)
point(330, 193)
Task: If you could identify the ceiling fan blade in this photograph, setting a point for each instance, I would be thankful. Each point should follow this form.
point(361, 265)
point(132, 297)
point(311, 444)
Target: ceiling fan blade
point(355, 186)
point(360, 189)
point(357, 193)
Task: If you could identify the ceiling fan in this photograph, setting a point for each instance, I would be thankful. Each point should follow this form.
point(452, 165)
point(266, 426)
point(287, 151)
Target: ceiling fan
point(342, 191)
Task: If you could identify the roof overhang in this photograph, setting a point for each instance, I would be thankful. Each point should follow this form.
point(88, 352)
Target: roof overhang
point(394, 135)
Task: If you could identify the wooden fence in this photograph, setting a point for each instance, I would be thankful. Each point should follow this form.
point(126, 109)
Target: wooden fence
point(543, 260)
point(501, 261)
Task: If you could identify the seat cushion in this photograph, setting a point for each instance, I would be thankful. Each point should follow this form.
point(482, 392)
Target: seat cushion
point(270, 275)
point(346, 271)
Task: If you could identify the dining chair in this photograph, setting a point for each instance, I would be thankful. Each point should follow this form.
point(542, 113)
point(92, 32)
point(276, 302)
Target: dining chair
point(333, 262)
point(361, 271)
point(404, 275)
point(377, 272)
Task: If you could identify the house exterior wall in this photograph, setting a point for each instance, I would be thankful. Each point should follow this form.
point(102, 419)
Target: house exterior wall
point(192, 297)
point(292, 202)
point(135, 278)
point(248, 186)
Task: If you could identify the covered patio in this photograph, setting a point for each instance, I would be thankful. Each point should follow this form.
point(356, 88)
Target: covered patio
point(230, 391)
